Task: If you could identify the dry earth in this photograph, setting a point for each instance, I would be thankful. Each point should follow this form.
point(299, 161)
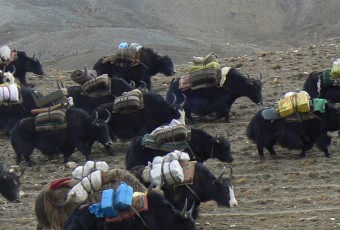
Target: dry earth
point(285, 193)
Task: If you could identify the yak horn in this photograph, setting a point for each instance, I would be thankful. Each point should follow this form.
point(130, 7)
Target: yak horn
point(142, 84)
point(22, 170)
point(151, 185)
point(14, 70)
point(174, 101)
point(33, 56)
point(231, 171)
point(260, 76)
point(181, 106)
point(133, 84)
point(185, 207)
point(96, 117)
point(109, 116)
point(219, 178)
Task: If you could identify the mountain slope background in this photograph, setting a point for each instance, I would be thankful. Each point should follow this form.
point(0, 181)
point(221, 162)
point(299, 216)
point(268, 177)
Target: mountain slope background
point(285, 40)
point(70, 33)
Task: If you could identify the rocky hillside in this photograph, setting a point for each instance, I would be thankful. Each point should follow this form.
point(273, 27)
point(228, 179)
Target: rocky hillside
point(88, 29)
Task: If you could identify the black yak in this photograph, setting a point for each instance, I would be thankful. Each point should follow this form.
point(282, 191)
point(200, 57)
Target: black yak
point(218, 100)
point(205, 187)
point(302, 135)
point(156, 112)
point(81, 132)
point(88, 103)
point(21, 65)
point(201, 147)
point(317, 88)
point(150, 64)
point(10, 183)
point(160, 215)
point(51, 210)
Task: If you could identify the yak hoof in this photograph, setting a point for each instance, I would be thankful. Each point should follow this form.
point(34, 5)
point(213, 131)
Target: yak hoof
point(328, 155)
point(112, 152)
point(262, 158)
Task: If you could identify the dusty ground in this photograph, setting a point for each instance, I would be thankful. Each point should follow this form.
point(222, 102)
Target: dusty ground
point(285, 193)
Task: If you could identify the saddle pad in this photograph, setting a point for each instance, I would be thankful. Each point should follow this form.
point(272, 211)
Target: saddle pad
point(149, 142)
point(9, 94)
point(139, 204)
point(59, 183)
point(165, 134)
point(51, 120)
point(99, 86)
point(129, 102)
point(205, 78)
point(300, 117)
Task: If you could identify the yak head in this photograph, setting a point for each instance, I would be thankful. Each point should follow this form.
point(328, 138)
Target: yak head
point(223, 190)
point(221, 149)
point(10, 183)
point(156, 63)
point(100, 129)
point(254, 89)
point(34, 65)
point(165, 66)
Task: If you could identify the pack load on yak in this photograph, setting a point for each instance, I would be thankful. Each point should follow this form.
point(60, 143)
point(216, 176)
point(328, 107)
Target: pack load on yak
point(127, 55)
point(335, 71)
point(92, 85)
point(297, 102)
point(119, 203)
point(130, 101)
point(61, 196)
point(204, 73)
point(173, 169)
point(295, 106)
point(9, 90)
point(7, 55)
point(52, 117)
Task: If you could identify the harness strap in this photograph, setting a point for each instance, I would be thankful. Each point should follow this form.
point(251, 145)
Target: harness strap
point(137, 213)
point(192, 191)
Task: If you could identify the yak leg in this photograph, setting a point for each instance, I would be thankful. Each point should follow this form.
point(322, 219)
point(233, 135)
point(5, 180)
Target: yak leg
point(110, 150)
point(189, 116)
point(85, 148)
point(272, 151)
point(322, 143)
point(261, 154)
point(303, 153)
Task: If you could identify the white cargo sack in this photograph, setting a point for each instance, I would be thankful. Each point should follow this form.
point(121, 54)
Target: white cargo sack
point(167, 173)
point(82, 171)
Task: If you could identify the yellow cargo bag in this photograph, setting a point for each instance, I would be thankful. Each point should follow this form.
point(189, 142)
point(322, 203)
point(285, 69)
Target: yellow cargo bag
point(194, 68)
point(294, 102)
point(335, 72)
point(302, 101)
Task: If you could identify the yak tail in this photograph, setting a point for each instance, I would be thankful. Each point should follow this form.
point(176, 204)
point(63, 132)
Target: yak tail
point(40, 213)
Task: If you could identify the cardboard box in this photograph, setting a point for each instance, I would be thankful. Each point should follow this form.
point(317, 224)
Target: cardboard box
point(123, 199)
point(107, 203)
